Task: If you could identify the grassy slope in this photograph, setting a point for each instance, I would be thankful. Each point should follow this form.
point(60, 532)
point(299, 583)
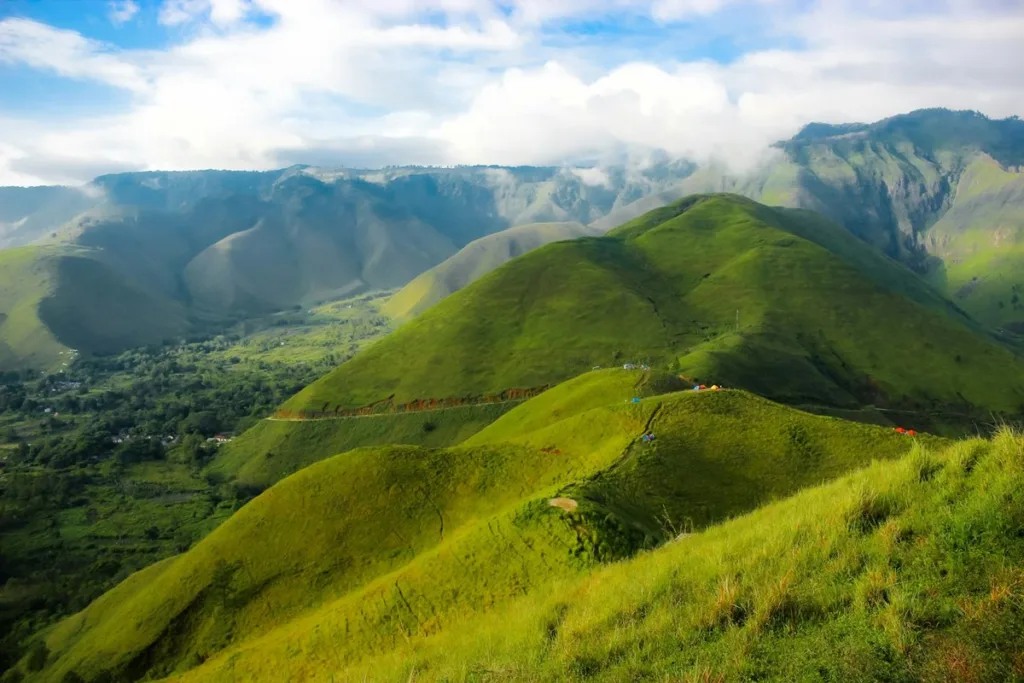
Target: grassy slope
point(907, 570)
point(55, 298)
point(95, 309)
point(475, 260)
point(274, 449)
point(372, 547)
point(981, 242)
point(815, 325)
point(25, 279)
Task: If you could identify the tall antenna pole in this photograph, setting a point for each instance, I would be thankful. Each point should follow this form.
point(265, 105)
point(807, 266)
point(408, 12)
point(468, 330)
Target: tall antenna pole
point(737, 320)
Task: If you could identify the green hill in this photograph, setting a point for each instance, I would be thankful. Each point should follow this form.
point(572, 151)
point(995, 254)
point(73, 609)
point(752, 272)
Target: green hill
point(389, 543)
point(273, 449)
point(936, 189)
point(475, 260)
point(224, 245)
point(49, 311)
point(980, 241)
point(907, 570)
point(716, 287)
point(25, 280)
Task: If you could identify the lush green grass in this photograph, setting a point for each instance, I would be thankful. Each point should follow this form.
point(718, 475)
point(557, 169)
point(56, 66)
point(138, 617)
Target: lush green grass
point(981, 243)
point(475, 260)
point(53, 299)
point(374, 547)
point(274, 449)
point(907, 570)
point(26, 278)
point(718, 287)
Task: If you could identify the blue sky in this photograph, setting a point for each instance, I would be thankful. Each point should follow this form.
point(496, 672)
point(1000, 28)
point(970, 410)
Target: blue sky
point(90, 86)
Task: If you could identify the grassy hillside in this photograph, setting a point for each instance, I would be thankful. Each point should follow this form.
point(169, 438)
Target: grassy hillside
point(377, 546)
point(940, 190)
point(26, 278)
point(475, 260)
point(716, 287)
point(904, 571)
point(226, 245)
point(937, 189)
point(980, 242)
point(274, 449)
point(48, 308)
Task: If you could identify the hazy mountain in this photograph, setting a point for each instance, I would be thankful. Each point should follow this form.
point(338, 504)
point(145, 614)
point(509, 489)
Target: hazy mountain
point(218, 245)
point(941, 191)
point(475, 260)
point(27, 213)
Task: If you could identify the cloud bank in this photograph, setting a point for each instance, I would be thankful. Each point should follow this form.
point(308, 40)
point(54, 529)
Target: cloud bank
point(252, 84)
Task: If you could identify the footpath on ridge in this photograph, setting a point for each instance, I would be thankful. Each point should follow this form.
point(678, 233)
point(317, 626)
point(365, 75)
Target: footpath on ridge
point(427, 405)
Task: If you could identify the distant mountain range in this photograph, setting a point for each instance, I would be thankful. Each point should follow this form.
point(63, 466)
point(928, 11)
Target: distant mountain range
point(940, 191)
point(207, 247)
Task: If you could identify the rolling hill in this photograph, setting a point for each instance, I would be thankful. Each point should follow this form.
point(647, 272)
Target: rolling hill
point(224, 245)
point(475, 260)
point(48, 311)
point(389, 543)
point(939, 190)
point(905, 570)
point(716, 287)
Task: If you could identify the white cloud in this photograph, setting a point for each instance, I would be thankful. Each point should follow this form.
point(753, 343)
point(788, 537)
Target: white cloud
point(122, 11)
point(464, 81)
point(220, 12)
point(67, 53)
point(594, 176)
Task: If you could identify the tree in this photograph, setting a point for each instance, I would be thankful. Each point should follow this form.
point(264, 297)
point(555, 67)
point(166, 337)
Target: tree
point(204, 422)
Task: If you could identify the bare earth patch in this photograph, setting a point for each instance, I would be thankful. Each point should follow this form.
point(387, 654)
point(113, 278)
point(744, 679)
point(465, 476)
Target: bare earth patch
point(567, 504)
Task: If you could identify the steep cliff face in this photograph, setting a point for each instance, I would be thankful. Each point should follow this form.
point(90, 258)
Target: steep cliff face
point(941, 191)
